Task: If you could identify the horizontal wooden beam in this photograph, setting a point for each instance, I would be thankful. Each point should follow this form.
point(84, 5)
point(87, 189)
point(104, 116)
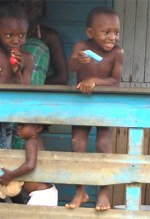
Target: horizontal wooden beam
point(11, 211)
point(73, 89)
point(82, 168)
point(74, 108)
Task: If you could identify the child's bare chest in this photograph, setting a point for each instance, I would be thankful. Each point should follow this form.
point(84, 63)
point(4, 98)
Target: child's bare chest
point(101, 69)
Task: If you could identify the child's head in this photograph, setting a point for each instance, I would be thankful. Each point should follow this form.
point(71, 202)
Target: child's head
point(103, 27)
point(34, 9)
point(13, 26)
point(25, 130)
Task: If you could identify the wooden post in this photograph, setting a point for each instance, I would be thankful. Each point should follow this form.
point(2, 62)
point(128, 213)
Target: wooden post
point(133, 191)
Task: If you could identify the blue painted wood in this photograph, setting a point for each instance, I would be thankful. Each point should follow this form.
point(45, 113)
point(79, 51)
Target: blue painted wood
point(68, 17)
point(133, 191)
point(101, 108)
point(136, 139)
point(74, 108)
point(133, 197)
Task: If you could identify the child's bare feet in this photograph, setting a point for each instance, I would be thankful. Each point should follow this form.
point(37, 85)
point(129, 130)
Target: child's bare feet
point(103, 202)
point(79, 198)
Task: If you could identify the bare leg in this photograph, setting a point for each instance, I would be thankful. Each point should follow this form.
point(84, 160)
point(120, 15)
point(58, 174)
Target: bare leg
point(79, 142)
point(103, 145)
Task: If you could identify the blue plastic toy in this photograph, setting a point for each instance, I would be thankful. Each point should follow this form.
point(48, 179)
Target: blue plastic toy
point(1, 172)
point(93, 55)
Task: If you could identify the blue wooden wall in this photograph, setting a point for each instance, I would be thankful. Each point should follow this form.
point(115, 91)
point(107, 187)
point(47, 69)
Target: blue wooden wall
point(68, 17)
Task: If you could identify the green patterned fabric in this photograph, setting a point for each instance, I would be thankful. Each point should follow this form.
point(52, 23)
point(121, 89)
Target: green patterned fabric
point(40, 54)
point(17, 142)
point(41, 58)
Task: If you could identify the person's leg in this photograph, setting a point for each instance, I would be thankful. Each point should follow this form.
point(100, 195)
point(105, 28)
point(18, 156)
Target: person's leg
point(103, 145)
point(79, 143)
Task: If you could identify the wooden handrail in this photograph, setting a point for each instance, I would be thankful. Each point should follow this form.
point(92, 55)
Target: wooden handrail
point(79, 168)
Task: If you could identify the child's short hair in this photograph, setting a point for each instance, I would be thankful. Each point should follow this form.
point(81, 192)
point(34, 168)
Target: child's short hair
point(43, 127)
point(97, 11)
point(10, 9)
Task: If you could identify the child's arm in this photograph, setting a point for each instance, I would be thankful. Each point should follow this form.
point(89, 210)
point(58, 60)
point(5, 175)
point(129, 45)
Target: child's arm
point(31, 149)
point(28, 68)
point(114, 80)
point(22, 66)
point(78, 57)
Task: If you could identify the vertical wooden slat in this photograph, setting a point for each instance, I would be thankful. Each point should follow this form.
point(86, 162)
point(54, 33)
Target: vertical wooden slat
point(133, 197)
point(140, 41)
point(128, 39)
point(119, 8)
point(121, 148)
point(147, 59)
point(133, 191)
point(145, 152)
point(114, 140)
point(147, 193)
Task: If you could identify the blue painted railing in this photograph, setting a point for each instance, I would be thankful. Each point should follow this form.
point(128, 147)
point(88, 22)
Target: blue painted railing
point(115, 107)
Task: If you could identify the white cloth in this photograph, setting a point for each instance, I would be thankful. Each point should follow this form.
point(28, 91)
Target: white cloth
point(46, 197)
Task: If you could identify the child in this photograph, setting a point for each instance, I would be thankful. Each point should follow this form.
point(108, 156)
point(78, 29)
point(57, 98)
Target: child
point(48, 39)
point(13, 31)
point(102, 29)
point(46, 42)
point(15, 65)
point(41, 193)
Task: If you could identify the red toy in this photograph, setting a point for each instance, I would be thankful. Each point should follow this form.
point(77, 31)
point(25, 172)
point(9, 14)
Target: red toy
point(12, 60)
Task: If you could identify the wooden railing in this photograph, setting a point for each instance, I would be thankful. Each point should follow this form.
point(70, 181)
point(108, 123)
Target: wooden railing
point(114, 107)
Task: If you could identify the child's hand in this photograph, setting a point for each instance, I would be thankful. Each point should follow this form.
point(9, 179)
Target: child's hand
point(6, 177)
point(16, 60)
point(83, 58)
point(86, 86)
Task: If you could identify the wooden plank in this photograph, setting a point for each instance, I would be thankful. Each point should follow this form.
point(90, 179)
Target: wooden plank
point(121, 148)
point(128, 39)
point(13, 211)
point(147, 196)
point(63, 167)
point(145, 152)
point(73, 89)
point(133, 197)
point(119, 8)
point(63, 108)
point(147, 58)
point(133, 191)
point(136, 140)
point(140, 41)
point(113, 142)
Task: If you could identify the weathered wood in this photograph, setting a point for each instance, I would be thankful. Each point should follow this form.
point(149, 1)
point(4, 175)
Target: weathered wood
point(145, 152)
point(135, 38)
point(147, 58)
point(119, 8)
point(13, 211)
point(73, 89)
point(140, 41)
point(120, 148)
point(68, 168)
point(53, 167)
point(133, 191)
point(128, 39)
point(55, 107)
